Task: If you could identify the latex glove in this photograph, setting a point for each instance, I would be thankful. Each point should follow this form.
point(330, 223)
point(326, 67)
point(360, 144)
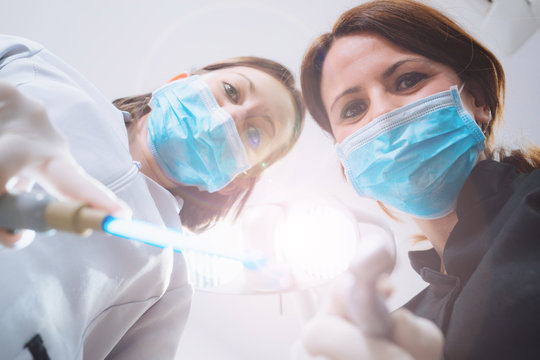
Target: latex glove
point(33, 150)
point(332, 335)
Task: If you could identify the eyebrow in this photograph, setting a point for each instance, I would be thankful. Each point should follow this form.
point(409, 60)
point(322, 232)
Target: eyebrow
point(387, 73)
point(346, 92)
point(394, 67)
point(268, 119)
point(251, 85)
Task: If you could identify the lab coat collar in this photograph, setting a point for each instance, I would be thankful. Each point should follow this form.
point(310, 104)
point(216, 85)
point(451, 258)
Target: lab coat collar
point(169, 206)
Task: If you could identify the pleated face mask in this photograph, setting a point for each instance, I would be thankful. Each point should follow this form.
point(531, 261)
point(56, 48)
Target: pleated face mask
point(415, 158)
point(194, 141)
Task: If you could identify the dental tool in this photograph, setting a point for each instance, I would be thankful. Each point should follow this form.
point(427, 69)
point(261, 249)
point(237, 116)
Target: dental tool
point(40, 212)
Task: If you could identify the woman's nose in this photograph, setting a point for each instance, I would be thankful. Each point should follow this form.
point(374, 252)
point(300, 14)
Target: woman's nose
point(237, 112)
point(381, 103)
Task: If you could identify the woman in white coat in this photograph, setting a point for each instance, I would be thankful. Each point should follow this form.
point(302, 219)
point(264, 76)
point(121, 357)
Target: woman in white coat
point(67, 297)
point(31, 150)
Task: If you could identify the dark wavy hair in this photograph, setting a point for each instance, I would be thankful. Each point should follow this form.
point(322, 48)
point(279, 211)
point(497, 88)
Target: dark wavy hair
point(202, 209)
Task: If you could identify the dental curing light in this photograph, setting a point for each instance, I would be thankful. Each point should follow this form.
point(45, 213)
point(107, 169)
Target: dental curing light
point(40, 212)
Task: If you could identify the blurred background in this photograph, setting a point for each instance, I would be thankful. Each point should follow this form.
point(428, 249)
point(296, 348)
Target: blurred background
point(127, 47)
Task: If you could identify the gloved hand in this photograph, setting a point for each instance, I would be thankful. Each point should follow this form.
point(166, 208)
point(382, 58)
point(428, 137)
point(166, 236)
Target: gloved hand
point(31, 149)
point(332, 335)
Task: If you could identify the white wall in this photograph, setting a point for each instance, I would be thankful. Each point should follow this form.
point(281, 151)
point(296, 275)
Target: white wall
point(131, 46)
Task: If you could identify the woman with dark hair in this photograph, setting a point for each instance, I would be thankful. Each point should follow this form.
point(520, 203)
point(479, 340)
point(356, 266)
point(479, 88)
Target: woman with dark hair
point(191, 150)
point(412, 100)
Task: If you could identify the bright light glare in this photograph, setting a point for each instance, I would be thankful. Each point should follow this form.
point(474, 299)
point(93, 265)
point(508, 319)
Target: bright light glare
point(214, 258)
point(317, 241)
point(206, 271)
point(312, 243)
point(209, 271)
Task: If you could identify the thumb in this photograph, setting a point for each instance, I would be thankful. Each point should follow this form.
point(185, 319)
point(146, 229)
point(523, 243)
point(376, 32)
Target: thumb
point(418, 336)
point(63, 177)
point(334, 338)
point(17, 240)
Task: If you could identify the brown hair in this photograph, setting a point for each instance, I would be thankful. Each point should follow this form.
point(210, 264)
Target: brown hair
point(427, 32)
point(202, 209)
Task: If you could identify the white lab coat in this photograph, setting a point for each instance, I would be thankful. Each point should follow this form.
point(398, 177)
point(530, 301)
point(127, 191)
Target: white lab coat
point(101, 296)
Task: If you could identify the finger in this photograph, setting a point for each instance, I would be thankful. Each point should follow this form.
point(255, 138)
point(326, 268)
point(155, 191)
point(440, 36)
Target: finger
point(65, 177)
point(14, 157)
point(20, 183)
point(335, 303)
point(7, 91)
point(9, 238)
point(333, 337)
point(17, 240)
point(384, 286)
point(418, 336)
point(338, 339)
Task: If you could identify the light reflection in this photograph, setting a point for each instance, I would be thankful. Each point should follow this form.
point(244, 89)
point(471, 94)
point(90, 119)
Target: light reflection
point(317, 241)
point(208, 271)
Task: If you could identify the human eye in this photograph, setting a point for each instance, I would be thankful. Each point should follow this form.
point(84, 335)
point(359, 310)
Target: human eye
point(352, 110)
point(253, 137)
point(408, 80)
point(231, 92)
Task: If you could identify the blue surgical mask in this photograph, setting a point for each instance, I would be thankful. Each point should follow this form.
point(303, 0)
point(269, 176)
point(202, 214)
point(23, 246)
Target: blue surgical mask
point(415, 158)
point(194, 141)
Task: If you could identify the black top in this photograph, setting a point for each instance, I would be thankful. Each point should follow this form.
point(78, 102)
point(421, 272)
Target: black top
point(488, 306)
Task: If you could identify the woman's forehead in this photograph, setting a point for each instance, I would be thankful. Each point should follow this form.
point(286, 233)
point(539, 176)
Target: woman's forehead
point(368, 48)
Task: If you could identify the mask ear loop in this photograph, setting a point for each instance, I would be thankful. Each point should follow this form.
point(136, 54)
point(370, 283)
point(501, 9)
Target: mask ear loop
point(483, 126)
